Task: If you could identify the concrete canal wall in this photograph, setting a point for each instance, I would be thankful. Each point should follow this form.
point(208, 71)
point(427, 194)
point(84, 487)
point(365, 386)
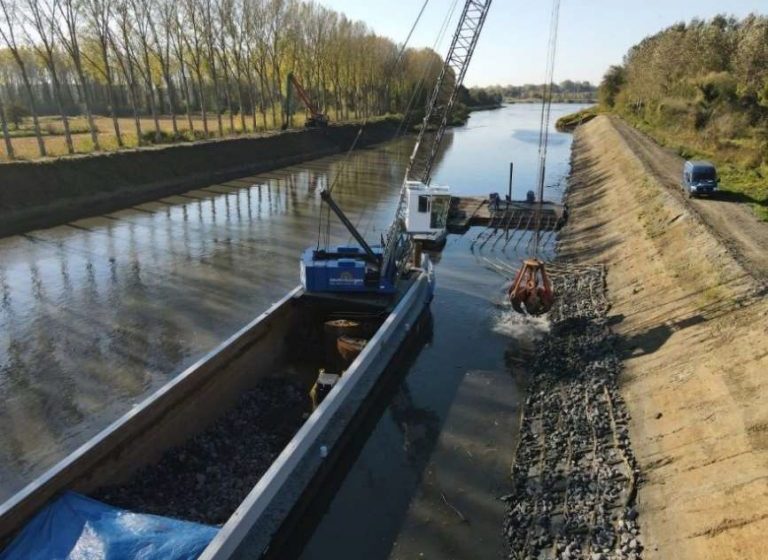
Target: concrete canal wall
point(51, 192)
point(692, 325)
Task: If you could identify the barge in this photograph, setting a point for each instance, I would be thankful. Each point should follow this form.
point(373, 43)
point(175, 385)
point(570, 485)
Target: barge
point(289, 339)
point(385, 289)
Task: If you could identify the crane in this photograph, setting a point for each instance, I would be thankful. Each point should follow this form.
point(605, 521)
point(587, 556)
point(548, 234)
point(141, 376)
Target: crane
point(376, 269)
point(316, 118)
point(438, 111)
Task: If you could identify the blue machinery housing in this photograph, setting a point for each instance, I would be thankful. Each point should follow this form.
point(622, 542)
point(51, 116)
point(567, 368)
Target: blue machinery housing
point(344, 270)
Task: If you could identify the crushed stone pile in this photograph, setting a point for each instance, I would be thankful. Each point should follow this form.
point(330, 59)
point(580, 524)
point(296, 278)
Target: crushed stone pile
point(205, 479)
point(574, 477)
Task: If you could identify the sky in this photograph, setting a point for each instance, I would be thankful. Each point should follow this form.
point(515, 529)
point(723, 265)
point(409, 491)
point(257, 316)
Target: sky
point(593, 34)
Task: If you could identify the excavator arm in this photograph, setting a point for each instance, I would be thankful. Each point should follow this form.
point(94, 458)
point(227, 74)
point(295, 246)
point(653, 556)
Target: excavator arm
point(316, 118)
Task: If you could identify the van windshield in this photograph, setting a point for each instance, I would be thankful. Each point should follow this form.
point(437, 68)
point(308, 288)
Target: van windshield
point(704, 174)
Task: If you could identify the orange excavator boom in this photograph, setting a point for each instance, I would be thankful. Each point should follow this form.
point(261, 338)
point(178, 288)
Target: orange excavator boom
point(316, 118)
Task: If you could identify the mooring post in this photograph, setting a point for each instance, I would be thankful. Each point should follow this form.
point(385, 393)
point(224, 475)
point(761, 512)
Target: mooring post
point(509, 193)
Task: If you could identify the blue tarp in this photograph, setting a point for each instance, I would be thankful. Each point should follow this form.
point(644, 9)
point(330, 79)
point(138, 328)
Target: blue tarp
point(75, 527)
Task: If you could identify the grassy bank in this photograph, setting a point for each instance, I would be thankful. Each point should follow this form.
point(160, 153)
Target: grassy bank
point(741, 163)
point(52, 128)
point(570, 121)
point(701, 89)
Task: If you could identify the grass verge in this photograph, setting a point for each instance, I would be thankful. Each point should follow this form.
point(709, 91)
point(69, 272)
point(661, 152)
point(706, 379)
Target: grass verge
point(569, 122)
point(742, 175)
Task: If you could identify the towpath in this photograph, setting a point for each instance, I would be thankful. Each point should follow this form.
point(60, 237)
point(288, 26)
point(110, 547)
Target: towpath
point(691, 325)
point(729, 218)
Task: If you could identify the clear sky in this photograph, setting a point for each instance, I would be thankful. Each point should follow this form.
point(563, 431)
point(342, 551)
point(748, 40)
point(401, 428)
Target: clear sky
point(512, 50)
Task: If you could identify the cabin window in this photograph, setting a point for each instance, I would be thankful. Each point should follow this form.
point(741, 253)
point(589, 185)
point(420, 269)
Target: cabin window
point(423, 203)
point(439, 215)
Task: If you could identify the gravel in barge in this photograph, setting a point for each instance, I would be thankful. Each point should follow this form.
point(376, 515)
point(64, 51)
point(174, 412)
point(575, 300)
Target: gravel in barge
point(574, 475)
point(205, 479)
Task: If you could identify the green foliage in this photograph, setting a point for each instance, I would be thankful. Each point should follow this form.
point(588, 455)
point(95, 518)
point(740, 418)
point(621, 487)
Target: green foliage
point(480, 97)
point(564, 92)
point(702, 86)
point(613, 80)
point(163, 137)
point(569, 122)
point(15, 113)
point(459, 115)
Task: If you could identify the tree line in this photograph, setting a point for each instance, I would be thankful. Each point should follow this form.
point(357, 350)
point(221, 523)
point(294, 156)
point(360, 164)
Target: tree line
point(567, 90)
point(193, 60)
point(491, 96)
point(708, 77)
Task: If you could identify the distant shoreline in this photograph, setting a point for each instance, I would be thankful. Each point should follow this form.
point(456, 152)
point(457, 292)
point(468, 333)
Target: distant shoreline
point(571, 101)
point(490, 107)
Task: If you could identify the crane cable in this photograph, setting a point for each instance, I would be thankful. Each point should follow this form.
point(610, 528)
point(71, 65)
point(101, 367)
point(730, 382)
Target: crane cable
point(359, 134)
point(405, 123)
point(546, 109)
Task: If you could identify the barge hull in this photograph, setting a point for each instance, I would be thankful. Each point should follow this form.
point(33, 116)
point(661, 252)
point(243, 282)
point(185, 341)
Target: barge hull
point(205, 391)
point(261, 516)
point(179, 409)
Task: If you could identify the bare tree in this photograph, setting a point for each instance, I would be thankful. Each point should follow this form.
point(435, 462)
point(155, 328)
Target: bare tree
point(99, 14)
point(176, 40)
point(141, 18)
point(208, 27)
point(41, 15)
point(6, 135)
point(7, 31)
point(276, 16)
point(165, 13)
point(125, 59)
point(224, 46)
point(231, 16)
point(256, 26)
point(194, 40)
point(68, 34)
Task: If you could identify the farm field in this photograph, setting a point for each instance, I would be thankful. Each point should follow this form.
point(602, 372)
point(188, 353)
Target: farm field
point(25, 142)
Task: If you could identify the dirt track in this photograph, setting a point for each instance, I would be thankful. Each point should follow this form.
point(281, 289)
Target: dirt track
point(692, 324)
point(733, 222)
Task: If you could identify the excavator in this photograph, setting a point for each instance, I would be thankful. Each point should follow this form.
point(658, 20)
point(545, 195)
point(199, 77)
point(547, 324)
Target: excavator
point(376, 269)
point(316, 119)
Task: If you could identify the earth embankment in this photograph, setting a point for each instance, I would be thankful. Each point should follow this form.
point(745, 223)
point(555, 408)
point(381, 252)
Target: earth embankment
point(692, 324)
point(45, 193)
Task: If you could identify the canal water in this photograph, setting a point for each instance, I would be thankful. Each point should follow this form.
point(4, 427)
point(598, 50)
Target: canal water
point(426, 480)
point(97, 314)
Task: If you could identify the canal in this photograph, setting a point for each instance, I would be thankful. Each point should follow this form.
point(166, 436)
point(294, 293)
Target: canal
point(97, 314)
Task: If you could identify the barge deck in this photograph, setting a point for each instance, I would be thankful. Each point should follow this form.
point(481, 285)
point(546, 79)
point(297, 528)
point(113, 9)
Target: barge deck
point(468, 211)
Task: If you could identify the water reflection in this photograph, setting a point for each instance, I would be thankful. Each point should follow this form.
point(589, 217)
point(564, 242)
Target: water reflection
point(96, 314)
point(430, 448)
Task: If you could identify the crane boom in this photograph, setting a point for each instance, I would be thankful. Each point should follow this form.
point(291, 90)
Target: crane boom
point(446, 90)
point(438, 111)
